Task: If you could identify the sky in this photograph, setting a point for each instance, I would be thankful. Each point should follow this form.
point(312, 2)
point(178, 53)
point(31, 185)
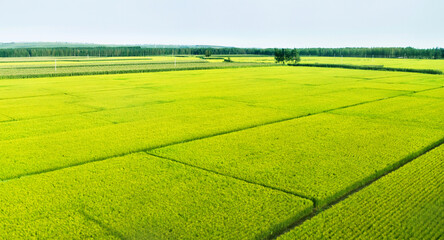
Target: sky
point(238, 23)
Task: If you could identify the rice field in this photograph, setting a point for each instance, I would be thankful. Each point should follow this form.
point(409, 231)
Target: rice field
point(254, 150)
point(434, 64)
point(437, 64)
point(405, 204)
point(65, 66)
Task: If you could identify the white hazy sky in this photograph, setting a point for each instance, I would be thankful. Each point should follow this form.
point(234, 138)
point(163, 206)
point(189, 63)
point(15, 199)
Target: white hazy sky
point(240, 23)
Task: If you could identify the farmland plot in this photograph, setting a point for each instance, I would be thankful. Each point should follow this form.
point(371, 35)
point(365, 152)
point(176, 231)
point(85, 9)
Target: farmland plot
point(410, 110)
point(387, 62)
point(293, 155)
point(67, 67)
point(140, 196)
point(220, 154)
point(162, 109)
point(406, 204)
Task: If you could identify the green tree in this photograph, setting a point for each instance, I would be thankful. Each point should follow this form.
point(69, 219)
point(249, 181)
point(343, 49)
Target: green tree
point(295, 55)
point(207, 53)
point(279, 55)
point(286, 55)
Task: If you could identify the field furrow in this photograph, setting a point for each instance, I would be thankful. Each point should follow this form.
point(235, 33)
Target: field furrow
point(52, 151)
point(409, 110)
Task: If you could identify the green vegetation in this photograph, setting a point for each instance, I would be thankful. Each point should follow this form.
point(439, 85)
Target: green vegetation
point(264, 155)
point(96, 66)
point(207, 53)
point(67, 49)
point(369, 67)
point(228, 59)
point(286, 55)
point(74, 66)
point(229, 153)
point(407, 110)
point(140, 196)
point(437, 93)
point(365, 63)
point(427, 66)
point(408, 52)
point(384, 62)
point(406, 204)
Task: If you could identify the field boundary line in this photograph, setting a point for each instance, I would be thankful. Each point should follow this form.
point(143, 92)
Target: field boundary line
point(289, 119)
point(98, 109)
point(72, 94)
point(11, 119)
point(270, 236)
point(93, 110)
point(230, 176)
point(201, 137)
point(112, 231)
point(33, 96)
point(385, 172)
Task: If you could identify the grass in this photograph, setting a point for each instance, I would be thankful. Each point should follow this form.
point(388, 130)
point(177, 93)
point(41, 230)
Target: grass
point(242, 152)
point(406, 204)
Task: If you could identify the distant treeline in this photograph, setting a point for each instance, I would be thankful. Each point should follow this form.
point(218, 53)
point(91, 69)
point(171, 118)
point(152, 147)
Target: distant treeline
point(434, 53)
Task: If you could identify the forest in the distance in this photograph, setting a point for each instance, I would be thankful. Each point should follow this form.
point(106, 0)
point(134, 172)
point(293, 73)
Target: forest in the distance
point(149, 50)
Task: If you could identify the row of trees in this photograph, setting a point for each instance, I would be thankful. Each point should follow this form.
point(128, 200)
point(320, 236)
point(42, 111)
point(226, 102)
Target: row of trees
point(434, 53)
point(286, 55)
point(126, 51)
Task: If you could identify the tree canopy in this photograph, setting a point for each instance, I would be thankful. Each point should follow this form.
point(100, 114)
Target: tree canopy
point(207, 53)
point(286, 55)
point(434, 53)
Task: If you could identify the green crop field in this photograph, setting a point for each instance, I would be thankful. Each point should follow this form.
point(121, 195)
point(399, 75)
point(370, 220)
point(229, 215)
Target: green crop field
point(437, 64)
point(168, 147)
point(406, 204)
point(65, 66)
point(434, 64)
